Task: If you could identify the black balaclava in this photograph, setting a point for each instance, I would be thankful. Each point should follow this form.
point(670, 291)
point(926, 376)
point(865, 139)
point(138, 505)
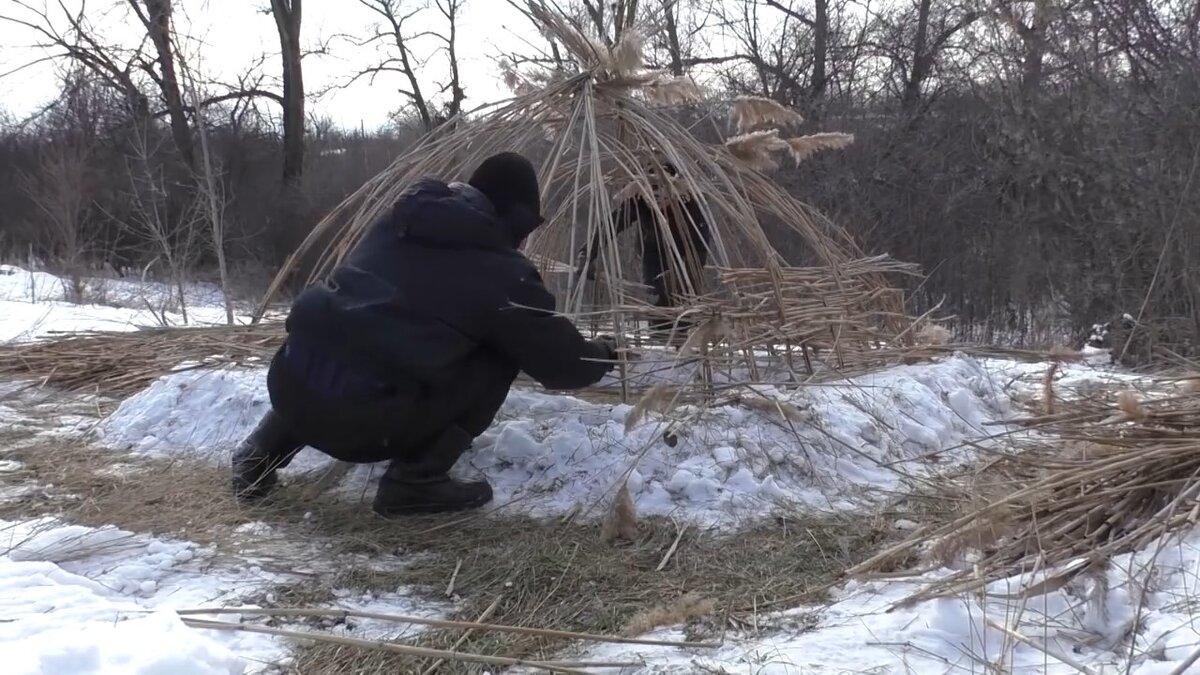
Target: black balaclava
point(510, 182)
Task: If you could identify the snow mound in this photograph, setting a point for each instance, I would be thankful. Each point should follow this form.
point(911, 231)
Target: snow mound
point(548, 454)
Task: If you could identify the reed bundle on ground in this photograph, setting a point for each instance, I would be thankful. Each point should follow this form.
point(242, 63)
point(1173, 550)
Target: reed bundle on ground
point(120, 363)
point(1106, 474)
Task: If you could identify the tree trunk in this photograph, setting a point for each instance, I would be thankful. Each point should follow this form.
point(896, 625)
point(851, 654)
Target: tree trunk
point(921, 63)
point(820, 76)
point(158, 26)
point(287, 14)
point(671, 23)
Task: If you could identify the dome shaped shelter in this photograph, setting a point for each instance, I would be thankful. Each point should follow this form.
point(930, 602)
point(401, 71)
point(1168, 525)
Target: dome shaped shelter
point(603, 130)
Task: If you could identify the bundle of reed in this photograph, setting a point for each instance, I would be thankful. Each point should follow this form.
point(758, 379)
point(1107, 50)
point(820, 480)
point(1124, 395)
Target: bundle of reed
point(1109, 474)
point(120, 363)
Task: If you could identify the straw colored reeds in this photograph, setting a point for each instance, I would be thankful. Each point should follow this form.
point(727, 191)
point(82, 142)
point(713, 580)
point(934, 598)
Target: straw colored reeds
point(599, 128)
point(1108, 474)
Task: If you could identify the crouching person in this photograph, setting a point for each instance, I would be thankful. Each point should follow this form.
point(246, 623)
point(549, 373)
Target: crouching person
point(409, 349)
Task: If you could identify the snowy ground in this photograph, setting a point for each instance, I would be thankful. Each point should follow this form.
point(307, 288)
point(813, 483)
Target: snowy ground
point(35, 304)
point(100, 600)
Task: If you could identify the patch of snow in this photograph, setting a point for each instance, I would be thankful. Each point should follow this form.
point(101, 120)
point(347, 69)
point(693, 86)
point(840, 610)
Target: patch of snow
point(76, 599)
point(82, 600)
point(34, 305)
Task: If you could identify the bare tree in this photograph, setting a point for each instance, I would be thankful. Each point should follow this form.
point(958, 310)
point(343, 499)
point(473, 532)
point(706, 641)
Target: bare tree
point(450, 10)
point(176, 245)
point(398, 48)
point(155, 16)
point(210, 187)
point(62, 186)
point(287, 14)
point(115, 66)
point(398, 45)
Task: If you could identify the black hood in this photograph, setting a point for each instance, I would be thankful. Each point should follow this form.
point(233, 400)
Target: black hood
point(453, 215)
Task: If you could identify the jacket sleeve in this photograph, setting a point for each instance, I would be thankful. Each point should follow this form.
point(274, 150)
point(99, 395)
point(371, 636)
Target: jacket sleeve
point(545, 345)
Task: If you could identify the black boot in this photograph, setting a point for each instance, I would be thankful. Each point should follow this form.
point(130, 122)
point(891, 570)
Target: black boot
point(268, 448)
point(425, 486)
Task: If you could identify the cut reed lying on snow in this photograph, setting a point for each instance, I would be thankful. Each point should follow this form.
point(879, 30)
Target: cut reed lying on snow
point(1105, 478)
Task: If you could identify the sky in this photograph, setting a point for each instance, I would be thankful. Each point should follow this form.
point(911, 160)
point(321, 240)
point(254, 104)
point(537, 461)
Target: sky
point(225, 38)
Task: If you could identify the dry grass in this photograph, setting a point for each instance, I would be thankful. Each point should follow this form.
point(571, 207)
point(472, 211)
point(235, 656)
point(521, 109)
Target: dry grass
point(120, 363)
point(564, 576)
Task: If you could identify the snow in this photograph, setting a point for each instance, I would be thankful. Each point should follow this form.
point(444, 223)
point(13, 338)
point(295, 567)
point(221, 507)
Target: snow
point(104, 600)
point(35, 305)
point(552, 454)
point(82, 600)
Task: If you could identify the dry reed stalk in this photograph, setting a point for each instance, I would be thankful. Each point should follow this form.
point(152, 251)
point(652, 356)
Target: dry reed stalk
point(934, 334)
point(1048, 389)
point(784, 411)
point(1129, 479)
point(487, 613)
point(343, 614)
point(803, 147)
point(573, 668)
point(1129, 404)
point(755, 148)
point(670, 91)
point(657, 399)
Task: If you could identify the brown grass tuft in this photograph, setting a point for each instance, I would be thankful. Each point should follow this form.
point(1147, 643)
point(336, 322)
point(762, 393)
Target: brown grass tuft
point(1064, 353)
point(686, 608)
point(1191, 385)
point(621, 521)
point(626, 55)
point(934, 334)
point(779, 409)
point(803, 147)
point(1131, 406)
point(657, 399)
point(1048, 389)
point(668, 91)
point(753, 112)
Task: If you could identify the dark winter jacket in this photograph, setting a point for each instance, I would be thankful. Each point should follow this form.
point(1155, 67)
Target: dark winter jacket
point(434, 281)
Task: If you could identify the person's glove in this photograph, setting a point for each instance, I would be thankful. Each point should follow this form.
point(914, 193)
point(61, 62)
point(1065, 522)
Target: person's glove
point(609, 344)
